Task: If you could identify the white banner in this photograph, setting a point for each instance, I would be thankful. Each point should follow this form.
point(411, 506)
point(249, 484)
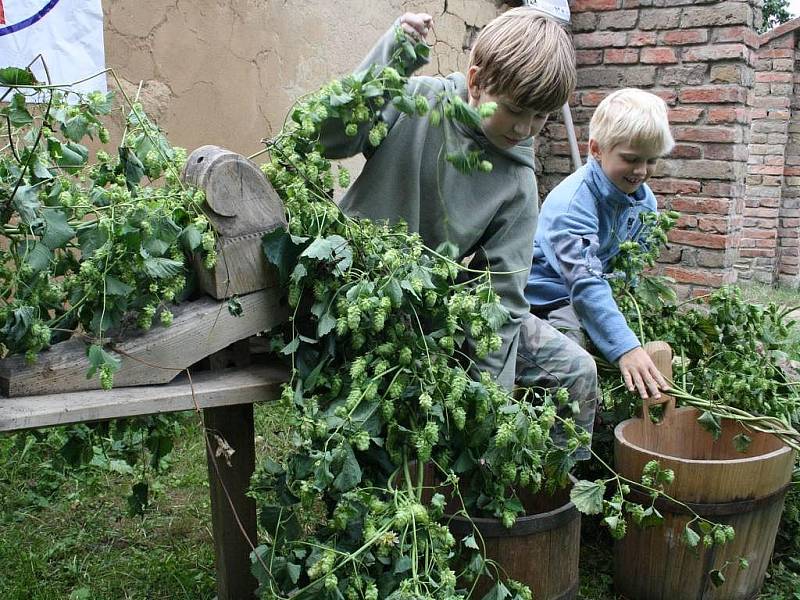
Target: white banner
point(67, 33)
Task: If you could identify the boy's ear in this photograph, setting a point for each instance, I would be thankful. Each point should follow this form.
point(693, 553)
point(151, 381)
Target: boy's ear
point(472, 87)
point(594, 149)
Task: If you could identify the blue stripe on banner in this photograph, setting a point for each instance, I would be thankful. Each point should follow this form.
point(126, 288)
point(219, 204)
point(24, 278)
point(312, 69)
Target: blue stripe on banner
point(30, 20)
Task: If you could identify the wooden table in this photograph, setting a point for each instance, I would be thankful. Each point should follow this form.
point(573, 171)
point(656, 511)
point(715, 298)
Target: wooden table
point(226, 398)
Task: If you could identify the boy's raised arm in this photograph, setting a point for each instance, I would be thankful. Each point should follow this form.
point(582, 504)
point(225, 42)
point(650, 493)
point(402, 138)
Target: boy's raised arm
point(334, 140)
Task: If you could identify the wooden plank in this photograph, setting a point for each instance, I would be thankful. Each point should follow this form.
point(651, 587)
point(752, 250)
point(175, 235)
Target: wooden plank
point(198, 330)
point(221, 388)
point(233, 513)
point(242, 206)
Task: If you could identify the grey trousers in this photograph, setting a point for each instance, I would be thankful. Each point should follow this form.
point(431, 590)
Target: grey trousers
point(550, 359)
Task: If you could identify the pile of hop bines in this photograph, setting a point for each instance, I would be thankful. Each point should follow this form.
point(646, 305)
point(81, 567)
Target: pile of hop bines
point(384, 403)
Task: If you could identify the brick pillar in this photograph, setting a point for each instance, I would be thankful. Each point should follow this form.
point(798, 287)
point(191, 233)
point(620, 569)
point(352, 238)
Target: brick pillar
point(789, 212)
point(698, 55)
point(769, 134)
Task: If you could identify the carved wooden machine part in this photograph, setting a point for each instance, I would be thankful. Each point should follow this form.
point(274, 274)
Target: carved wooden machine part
point(241, 206)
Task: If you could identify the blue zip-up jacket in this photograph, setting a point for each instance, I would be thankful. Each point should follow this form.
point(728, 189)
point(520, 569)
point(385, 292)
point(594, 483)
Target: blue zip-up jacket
point(581, 225)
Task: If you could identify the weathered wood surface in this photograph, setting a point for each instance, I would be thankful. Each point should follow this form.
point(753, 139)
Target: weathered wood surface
point(233, 512)
point(157, 356)
point(208, 389)
point(742, 489)
point(242, 206)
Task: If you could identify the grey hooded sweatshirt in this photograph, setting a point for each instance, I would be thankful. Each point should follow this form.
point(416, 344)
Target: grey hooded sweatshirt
point(491, 216)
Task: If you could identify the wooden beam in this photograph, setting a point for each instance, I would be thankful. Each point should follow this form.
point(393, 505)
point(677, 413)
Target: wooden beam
point(198, 330)
point(211, 389)
point(233, 512)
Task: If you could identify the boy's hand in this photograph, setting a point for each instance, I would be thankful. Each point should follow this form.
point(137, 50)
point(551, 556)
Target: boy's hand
point(641, 374)
point(416, 25)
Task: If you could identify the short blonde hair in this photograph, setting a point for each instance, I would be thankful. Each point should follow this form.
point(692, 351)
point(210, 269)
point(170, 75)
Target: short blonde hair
point(632, 116)
point(526, 57)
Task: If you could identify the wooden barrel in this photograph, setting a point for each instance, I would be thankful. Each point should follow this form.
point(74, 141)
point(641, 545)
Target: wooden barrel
point(742, 489)
point(541, 550)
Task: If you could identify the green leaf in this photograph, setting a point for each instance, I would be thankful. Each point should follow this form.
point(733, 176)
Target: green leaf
point(114, 287)
point(139, 499)
point(281, 250)
point(57, 230)
point(690, 537)
point(717, 577)
point(495, 314)
point(191, 238)
point(587, 496)
point(498, 592)
point(470, 542)
point(403, 564)
point(99, 357)
point(17, 112)
point(26, 203)
point(291, 347)
point(159, 267)
point(18, 323)
point(235, 307)
point(14, 76)
point(37, 255)
point(711, 423)
point(742, 442)
point(132, 167)
point(326, 324)
point(75, 127)
point(350, 474)
point(73, 157)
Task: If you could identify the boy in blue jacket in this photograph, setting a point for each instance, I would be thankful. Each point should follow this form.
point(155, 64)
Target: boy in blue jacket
point(581, 225)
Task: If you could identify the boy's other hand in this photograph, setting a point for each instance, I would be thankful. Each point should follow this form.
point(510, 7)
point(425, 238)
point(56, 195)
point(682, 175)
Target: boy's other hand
point(641, 374)
point(417, 25)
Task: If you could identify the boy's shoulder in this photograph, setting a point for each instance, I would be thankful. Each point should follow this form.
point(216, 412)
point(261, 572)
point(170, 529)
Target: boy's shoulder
point(572, 188)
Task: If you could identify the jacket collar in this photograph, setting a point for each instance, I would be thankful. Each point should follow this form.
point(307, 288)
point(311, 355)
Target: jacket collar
point(603, 187)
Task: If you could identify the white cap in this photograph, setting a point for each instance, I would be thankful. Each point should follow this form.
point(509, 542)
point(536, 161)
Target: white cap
point(555, 9)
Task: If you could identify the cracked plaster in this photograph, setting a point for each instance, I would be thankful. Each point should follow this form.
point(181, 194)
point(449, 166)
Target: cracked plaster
point(226, 72)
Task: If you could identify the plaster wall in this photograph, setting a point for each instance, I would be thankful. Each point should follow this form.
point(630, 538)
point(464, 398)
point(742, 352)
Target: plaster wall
point(227, 72)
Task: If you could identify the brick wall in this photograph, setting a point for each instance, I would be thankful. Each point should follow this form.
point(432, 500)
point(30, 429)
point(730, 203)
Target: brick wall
point(725, 90)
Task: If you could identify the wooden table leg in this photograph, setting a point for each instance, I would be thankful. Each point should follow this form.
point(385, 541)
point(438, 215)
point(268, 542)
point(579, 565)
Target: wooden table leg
point(234, 424)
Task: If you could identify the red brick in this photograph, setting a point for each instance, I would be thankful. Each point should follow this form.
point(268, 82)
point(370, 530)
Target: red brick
point(685, 114)
point(593, 5)
point(760, 234)
point(781, 77)
point(765, 169)
point(685, 151)
point(674, 186)
point(736, 34)
point(694, 276)
point(715, 52)
point(658, 56)
point(588, 57)
point(775, 53)
point(713, 94)
point(709, 206)
point(642, 38)
point(592, 98)
point(705, 134)
point(599, 39)
point(684, 36)
point(714, 224)
point(756, 252)
point(699, 239)
point(621, 56)
point(723, 115)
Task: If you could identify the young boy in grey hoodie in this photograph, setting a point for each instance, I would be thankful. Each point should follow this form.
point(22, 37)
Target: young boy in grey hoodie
point(524, 63)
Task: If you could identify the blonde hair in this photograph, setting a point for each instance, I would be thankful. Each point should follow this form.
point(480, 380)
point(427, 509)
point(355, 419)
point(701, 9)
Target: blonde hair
point(526, 57)
point(632, 116)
